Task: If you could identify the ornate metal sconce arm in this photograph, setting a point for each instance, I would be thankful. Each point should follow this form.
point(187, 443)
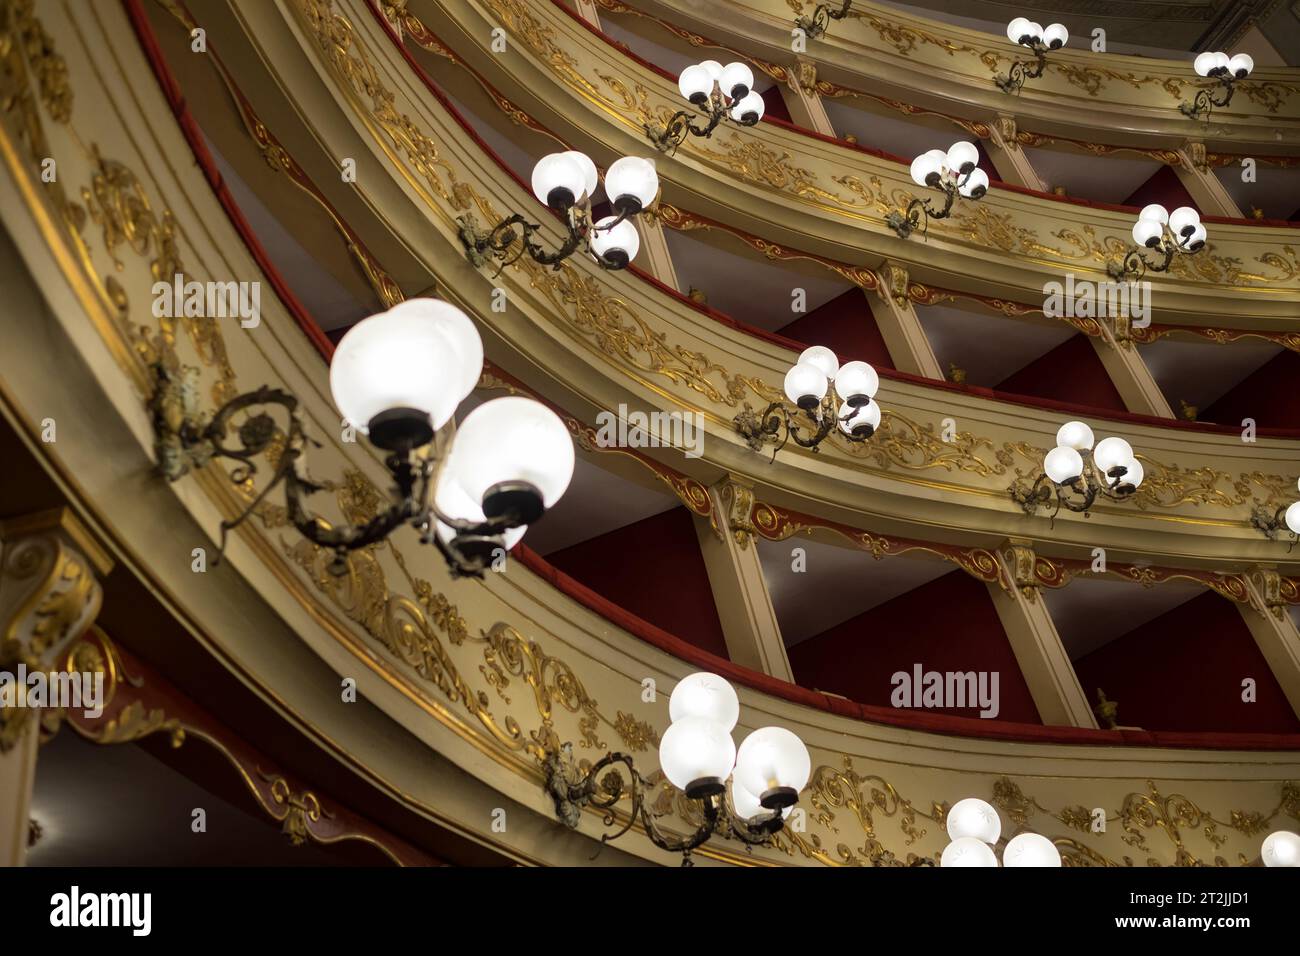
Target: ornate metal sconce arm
point(1271, 525)
point(679, 126)
point(614, 776)
point(185, 441)
point(1020, 71)
point(921, 210)
point(778, 420)
point(1077, 495)
point(816, 25)
point(1204, 101)
point(1135, 265)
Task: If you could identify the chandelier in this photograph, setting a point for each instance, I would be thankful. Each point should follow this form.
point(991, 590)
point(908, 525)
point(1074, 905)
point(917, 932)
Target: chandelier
point(1269, 525)
point(397, 378)
point(975, 830)
point(953, 173)
point(828, 395)
point(1168, 234)
point(566, 182)
point(1075, 482)
point(1032, 35)
point(816, 25)
point(1218, 66)
point(721, 91)
point(740, 793)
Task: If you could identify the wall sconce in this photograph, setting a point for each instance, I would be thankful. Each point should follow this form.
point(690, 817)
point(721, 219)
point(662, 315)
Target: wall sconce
point(697, 755)
point(817, 24)
point(1180, 232)
point(1029, 34)
point(975, 829)
point(1219, 66)
point(1113, 472)
point(808, 385)
point(1269, 525)
point(397, 378)
point(723, 91)
point(565, 182)
point(954, 173)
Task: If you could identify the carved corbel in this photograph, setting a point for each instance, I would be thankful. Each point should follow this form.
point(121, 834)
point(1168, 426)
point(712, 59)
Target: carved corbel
point(1268, 587)
point(895, 280)
point(1004, 132)
point(737, 497)
point(1019, 556)
point(803, 78)
point(49, 594)
point(1195, 151)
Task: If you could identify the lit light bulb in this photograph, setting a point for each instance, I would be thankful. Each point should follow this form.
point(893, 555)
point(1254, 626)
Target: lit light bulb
point(1030, 849)
point(1063, 464)
point(974, 818)
point(968, 851)
point(705, 695)
point(1074, 435)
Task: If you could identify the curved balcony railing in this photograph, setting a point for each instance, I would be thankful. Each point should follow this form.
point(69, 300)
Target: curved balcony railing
point(491, 675)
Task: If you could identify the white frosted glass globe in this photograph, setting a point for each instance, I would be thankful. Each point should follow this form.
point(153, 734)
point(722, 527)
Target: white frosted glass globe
point(924, 166)
point(396, 360)
point(772, 757)
point(705, 695)
point(1281, 848)
point(1017, 28)
point(1183, 220)
point(1241, 65)
point(749, 109)
point(1056, 36)
point(696, 81)
point(1063, 464)
point(1147, 232)
point(968, 851)
point(1111, 452)
point(962, 156)
point(1197, 238)
point(804, 382)
point(590, 176)
point(1133, 472)
point(513, 439)
point(714, 68)
point(975, 819)
point(866, 415)
point(1155, 212)
point(461, 334)
point(555, 175)
point(855, 379)
point(748, 806)
point(1036, 30)
point(1221, 61)
point(1031, 849)
point(1292, 517)
point(977, 185)
point(820, 358)
point(453, 501)
point(632, 176)
point(695, 749)
point(623, 239)
point(1074, 435)
point(736, 81)
point(1203, 63)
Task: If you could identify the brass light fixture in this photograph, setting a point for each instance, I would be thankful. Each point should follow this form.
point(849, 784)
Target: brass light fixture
point(740, 793)
point(566, 182)
point(817, 384)
point(954, 173)
point(1168, 234)
point(1217, 66)
point(1039, 41)
point(816, 25)
point(721, 91)
point(1270, 525)
point(396, 377)
point(1111, 471)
